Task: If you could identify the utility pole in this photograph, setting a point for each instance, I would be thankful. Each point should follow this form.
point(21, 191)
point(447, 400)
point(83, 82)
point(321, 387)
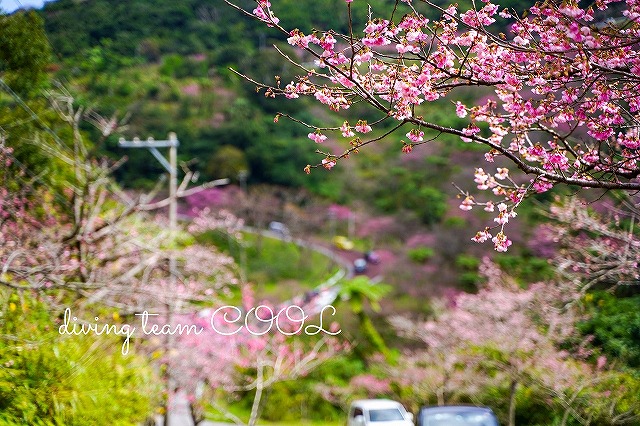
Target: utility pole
point(351, 225)
point(170, 166)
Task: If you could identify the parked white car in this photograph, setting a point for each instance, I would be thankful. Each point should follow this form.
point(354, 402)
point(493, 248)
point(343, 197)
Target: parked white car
point(378, 412)
point(280, 229)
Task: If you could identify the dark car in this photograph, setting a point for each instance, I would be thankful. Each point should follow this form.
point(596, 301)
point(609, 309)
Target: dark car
point(456, 415)
point(372, 257)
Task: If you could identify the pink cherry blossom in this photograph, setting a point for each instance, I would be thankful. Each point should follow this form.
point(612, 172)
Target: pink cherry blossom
point(467, 204)
point(481, 237)
point(346, 130)
point(501, 242)
point(317, 137)
point(328, 163)
point(362, 127)
point(415, 135)
point(407, 148)
point(541, 185)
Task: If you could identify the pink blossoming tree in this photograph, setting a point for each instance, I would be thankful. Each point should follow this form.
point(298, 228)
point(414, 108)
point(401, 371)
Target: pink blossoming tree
point(234, 357)
point(565, 107)
point(93, 248)
point(509, 338)
point(507, 334)
point(597, 248)
point(93, 244)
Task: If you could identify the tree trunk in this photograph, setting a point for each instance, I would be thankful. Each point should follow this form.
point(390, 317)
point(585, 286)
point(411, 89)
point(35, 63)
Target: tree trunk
point(512, 402)
point(565, 417)
point(442, 389)
point(258, 397)
point(440, 395)
point(196, 413)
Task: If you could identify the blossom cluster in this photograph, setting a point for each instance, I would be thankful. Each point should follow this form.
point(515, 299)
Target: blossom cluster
point(565, 106)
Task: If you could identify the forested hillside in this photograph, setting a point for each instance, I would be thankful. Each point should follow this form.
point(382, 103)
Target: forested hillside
point(165, 66)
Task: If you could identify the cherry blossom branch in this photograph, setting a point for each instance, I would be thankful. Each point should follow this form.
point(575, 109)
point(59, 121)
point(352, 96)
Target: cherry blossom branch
point(556, 71)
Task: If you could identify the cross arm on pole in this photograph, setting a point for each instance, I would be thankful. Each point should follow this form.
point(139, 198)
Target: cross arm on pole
point(138, 143)
point(152, 145)
point(160, 158)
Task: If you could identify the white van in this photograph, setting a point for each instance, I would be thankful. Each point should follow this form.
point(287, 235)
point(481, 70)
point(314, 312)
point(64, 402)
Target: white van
point(378, 412)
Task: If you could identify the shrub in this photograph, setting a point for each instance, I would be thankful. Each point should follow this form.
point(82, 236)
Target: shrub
point(49, 379)
point(420, 254)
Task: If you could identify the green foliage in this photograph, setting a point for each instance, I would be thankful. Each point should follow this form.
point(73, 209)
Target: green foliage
point(358, 292)
point(264, 66)
point(621, 392)
point(469, 278)
point(281, 160)
point(178, 66)
point(295, 400)
point(103, 59)
point(361, 289)
point(39, 156)
point(138, 27)
point(406, 189)
point(455, 222)
point(269, 262)
point(227, 162)
point(339, 371)
point(24, 51)
point(48, 379)
point(468, 262)
point(615, 324)
point(525, 268)
point(420, 254)
point(75, 27)
point(532, 405)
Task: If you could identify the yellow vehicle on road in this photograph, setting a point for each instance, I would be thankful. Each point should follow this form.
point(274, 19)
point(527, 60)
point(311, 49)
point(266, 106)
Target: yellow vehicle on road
point(343, 243)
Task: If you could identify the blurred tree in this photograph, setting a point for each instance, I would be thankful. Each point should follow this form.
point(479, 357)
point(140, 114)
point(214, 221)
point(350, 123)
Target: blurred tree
point(227, 162)
point(24, 51)
point(358, 292)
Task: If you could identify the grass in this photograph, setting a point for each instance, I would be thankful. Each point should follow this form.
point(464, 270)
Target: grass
point(278, 269)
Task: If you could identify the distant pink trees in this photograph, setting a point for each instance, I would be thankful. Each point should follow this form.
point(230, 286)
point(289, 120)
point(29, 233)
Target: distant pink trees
point(564, 109)
point(89, 245)
point(92, 244)
point(370, 385)
point(248, 349)
point(507, 337)
point(500, 334)
point(597, 248)
point(29, 257)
